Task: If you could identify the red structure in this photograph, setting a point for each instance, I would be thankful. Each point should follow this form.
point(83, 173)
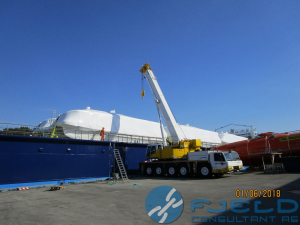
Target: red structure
point(251, 151)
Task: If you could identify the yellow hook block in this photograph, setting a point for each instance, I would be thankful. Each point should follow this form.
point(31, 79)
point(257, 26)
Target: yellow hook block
point(143, 93)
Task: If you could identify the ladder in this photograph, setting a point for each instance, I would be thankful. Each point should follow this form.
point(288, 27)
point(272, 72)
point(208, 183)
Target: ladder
point(52, 135)
point(53, 115)
point(120, 165)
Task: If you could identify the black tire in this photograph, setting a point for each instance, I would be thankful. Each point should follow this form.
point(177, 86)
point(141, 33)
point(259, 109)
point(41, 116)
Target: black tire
point(148, 170)
point(204, 171)
point(183, 170)
point(159, 170)
point(172, 171)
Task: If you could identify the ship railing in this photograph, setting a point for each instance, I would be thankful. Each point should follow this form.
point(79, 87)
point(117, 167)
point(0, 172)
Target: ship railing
point(109, 136)
point(58, 132)
point(290, 132)
point(16, 129)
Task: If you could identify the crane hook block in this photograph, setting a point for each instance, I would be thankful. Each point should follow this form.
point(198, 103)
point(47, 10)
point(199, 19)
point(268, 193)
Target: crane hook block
point(145, 68)
point(143, 93)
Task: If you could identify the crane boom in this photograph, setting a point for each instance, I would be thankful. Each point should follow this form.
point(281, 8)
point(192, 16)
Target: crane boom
point(162, 105)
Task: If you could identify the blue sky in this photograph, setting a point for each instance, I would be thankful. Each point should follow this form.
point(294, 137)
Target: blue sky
point(217, 62)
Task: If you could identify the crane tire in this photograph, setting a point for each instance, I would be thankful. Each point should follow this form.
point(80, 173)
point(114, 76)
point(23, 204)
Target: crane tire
point(183, 170)
point(172, 171)
point(148, 170)
point(159, 170)
point(204, 171)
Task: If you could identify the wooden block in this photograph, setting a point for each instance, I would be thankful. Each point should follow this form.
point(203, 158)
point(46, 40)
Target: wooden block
point(56, 188)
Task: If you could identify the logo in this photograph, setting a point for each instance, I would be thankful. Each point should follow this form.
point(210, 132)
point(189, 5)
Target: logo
point(164, 204)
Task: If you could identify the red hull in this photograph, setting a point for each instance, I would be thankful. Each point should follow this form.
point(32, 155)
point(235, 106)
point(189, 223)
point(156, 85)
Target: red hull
point(249, 150)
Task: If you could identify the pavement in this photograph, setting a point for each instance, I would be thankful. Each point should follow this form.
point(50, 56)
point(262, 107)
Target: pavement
point(124, 203)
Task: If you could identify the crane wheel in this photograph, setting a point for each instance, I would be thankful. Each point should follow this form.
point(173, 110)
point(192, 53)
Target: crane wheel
point(172, 171)
point(204, 171)
point(159, 170)
point(148, 170)
point(183, 170)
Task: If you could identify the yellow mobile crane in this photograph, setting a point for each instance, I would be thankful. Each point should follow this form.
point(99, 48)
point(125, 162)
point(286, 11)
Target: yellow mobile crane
point(184, 156)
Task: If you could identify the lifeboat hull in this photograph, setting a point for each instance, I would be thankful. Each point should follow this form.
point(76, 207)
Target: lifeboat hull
point(251, 151)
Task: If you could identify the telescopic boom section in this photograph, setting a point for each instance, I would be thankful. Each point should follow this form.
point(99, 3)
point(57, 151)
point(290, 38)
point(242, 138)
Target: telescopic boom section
point(161, 103)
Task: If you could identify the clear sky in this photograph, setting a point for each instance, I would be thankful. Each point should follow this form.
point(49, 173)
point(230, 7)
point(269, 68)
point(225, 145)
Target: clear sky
point(217, 62)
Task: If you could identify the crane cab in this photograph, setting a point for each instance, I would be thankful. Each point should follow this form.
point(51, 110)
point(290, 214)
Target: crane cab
point(152, 150)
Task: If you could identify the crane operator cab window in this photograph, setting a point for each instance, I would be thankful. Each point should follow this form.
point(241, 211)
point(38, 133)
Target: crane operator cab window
point(151, 149)
point(219, 157)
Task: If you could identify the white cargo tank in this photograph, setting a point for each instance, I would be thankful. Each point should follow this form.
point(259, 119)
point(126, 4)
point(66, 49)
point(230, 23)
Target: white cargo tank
point(86, 124)
point(44, 125)
point(227, 138)
point(208, 138)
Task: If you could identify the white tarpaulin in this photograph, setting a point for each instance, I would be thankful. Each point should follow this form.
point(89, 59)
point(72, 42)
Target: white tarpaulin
point(230, 138)
point(203, 135)
point(86, 124)
point(94, 120)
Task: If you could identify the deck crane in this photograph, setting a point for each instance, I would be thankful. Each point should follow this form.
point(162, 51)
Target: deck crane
point(184, 157)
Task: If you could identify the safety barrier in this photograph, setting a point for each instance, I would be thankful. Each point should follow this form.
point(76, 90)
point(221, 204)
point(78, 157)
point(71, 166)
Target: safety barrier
point(59, 132)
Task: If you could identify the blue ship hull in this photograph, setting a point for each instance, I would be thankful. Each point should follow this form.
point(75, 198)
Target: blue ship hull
point(30, 161)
